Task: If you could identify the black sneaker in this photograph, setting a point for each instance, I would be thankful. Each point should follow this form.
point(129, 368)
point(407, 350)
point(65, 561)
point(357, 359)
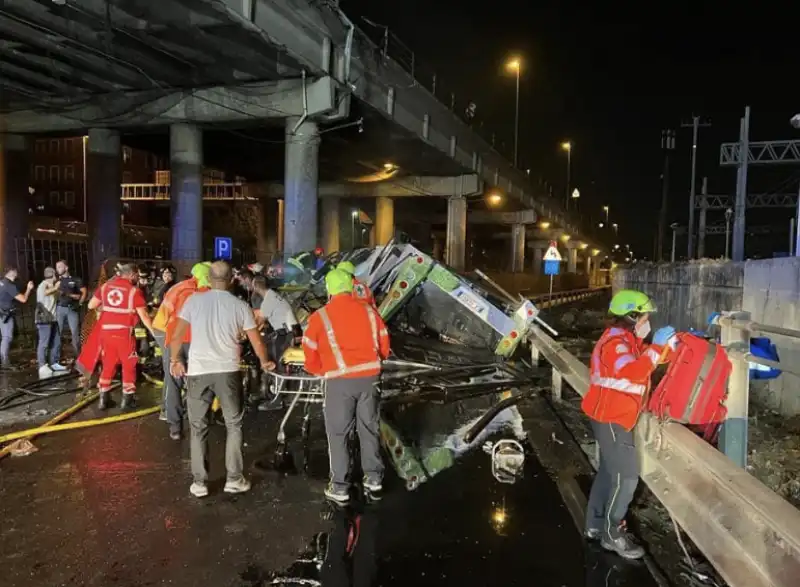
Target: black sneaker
point(128, 401)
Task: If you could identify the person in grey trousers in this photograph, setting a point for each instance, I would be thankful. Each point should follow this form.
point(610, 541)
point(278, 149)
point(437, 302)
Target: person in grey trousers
point(218, 320)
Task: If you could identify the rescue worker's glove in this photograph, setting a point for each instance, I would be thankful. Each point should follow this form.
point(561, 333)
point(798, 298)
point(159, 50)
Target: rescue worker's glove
point(666, 336)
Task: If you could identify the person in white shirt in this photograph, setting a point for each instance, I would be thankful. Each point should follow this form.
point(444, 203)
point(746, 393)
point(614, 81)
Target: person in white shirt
point(218, 320)
point(46, 324)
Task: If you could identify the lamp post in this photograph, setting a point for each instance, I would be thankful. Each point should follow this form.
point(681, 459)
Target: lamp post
point(353, 217)
point(605, 209)
point(567, 146)
point(515, 66)
point(615, 226)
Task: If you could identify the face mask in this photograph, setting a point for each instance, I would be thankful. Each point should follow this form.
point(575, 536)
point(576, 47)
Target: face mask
point(642, 330)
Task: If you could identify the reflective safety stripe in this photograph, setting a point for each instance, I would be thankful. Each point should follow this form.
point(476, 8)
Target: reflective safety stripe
point(623, 385)
point(622, 348)
point(309, 343)
point(653, 355)
point(622, 361)
point(373, 326)
point(354, 369)
point(115, 327)
point(337, 352)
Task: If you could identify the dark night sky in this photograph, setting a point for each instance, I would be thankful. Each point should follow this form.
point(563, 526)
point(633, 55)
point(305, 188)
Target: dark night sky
point(610, 80)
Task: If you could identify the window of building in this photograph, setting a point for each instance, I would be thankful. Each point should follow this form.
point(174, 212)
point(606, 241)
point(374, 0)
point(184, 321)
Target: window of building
point(54, 174)
point(69, 172)
point(41, 146)
point(127, 177)
point(127, 153)
point(54, 146)
point(69, 199)
point(40, 173)
point(54, 197)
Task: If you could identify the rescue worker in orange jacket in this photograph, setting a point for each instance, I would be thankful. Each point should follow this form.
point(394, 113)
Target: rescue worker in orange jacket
point(361, 291)
point(163, 326)
point(620, 370)
point(345, 342)
point(122, 304)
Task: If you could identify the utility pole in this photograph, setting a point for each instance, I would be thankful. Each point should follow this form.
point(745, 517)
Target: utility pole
point(695, 125)
point(741, 187)
point(701, 229)
point(667, 145)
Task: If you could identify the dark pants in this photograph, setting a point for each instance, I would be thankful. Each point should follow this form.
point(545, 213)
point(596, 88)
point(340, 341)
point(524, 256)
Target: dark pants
point(352, 403)
point(171, 392)
point(67, 317)
point(46, 344)
point(616, 479)
point(202, 389)
point(351, 559)
point(6, 337)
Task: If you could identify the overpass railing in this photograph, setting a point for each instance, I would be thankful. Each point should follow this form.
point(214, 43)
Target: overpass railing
point(746, 531)
point(558, 298)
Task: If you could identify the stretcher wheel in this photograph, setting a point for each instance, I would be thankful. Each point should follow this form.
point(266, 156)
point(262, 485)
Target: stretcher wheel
point(283, 460)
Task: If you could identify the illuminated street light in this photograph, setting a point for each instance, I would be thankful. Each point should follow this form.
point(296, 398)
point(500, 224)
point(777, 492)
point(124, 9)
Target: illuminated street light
point(567, 146)
point(616, 247)
point(515, 65)
point(615, 226)
point(575, 194)
point(605, 209)
point(389, 166)
point(544, 225)
point(600, 225)
point(565, 237)
point(495, 199)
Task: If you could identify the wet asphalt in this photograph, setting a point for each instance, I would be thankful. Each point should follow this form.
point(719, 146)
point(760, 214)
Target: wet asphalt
point(109, 506)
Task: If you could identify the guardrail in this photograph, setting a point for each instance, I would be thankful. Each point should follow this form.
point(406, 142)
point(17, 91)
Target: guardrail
point(564, 297)
point(749, 533)
point(148, 192)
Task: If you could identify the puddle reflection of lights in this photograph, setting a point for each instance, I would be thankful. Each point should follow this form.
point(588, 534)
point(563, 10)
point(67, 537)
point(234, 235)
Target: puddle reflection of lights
point(499, 519)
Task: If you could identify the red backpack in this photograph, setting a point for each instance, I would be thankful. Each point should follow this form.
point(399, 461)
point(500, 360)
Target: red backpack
point(695, 386)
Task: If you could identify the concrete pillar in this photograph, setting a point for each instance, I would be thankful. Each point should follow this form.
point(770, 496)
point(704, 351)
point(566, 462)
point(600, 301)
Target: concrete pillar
point(14, 200)
point(280, 216)
point(267, 227)
point(384, 219)
point(186, 192)
point(518, 248)
point(103, 204)
point(589, 266)
point(538, 260)
point(456, 232)
point(572, 260)
point(301, 187)
point(330, 225)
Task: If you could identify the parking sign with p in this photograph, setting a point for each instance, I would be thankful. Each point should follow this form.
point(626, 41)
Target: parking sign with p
point(223, 248)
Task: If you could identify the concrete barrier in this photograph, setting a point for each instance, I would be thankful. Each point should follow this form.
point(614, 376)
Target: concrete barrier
point(529, 284)
point(769, 289)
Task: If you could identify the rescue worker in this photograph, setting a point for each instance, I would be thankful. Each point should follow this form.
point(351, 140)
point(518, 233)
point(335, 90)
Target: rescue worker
point(361, 291)
point(620, 370)
point(163, 327)
point(121, 305)
point(162, 285)
point(345, 342)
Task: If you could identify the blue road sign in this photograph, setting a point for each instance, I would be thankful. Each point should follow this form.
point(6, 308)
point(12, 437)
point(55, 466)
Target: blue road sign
point(551, 267)
point(223, 247)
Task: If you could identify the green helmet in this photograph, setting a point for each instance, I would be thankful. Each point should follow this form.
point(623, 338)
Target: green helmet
point(338, 282)
point(629, 301)
point(347, 267)
point(200, 273)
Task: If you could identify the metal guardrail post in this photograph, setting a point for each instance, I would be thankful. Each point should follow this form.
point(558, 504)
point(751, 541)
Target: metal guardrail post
point(558, 382)
point(733, 436)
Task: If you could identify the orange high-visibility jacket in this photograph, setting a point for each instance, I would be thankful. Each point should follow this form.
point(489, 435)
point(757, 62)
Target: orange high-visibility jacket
point(346, 338)
point(363, 293)
point(620, 371)
point(167, 315)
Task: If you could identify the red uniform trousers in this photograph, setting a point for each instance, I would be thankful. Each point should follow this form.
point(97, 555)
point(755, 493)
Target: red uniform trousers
point(118, 347)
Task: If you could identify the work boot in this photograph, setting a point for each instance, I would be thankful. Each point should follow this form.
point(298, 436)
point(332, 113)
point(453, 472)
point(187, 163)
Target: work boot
point(622, 545)
point(337, 496)
point(105, 401)
point(373, 490)
point(128, 401)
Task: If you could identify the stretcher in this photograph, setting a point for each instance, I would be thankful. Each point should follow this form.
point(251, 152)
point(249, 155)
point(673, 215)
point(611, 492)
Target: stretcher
point(295, 386)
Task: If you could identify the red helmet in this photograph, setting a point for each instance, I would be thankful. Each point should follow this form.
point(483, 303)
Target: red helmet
point(318, 251)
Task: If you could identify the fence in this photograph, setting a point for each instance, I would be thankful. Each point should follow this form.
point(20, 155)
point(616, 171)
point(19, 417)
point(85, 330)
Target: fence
point(749, 533)
point(565, 297)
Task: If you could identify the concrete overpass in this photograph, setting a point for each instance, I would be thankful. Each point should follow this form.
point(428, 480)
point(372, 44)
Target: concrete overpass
point(238, 62)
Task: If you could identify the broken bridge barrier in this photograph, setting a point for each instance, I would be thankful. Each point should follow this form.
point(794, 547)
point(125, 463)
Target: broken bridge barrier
point(558, 298)
point(746, 531)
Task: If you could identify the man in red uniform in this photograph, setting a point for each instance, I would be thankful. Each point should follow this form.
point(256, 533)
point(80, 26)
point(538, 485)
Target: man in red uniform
point(122, 305)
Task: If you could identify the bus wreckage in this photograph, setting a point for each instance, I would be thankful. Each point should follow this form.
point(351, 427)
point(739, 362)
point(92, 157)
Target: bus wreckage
point(456, 371)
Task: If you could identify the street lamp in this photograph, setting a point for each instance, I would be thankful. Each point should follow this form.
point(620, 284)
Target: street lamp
point(600, 225)
point(615, 226)
point(567, 146)
point(515, 65)
point(605, 209)
point(353, 217)
point(495, 199)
